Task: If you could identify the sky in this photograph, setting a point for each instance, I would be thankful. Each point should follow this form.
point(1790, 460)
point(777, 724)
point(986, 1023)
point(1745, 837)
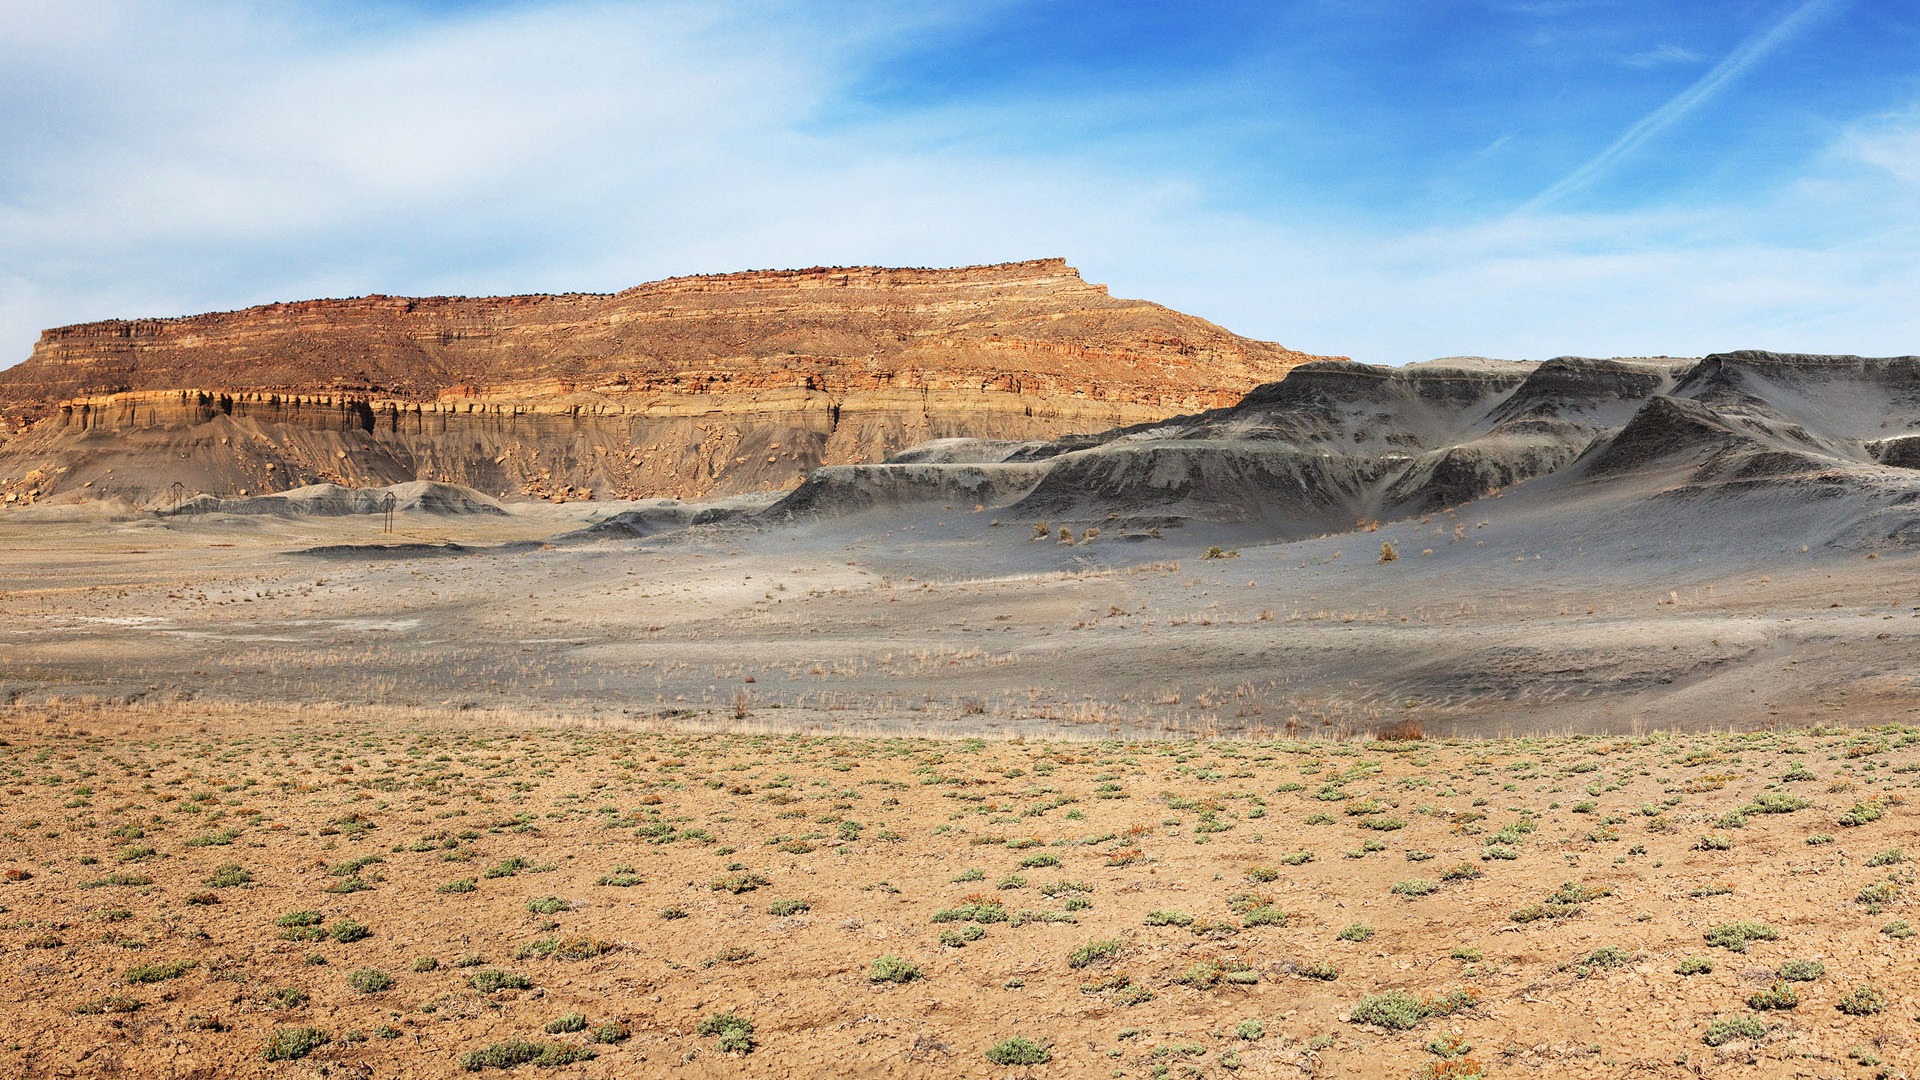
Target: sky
point(1392, 180)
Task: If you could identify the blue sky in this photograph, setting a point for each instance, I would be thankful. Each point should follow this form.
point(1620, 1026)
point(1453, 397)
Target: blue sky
point(1388, 180)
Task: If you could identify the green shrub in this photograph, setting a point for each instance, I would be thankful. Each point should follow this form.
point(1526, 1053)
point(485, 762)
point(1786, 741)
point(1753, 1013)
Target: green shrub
point(1395, 1010)
point(1450, 1002)
point(739, 883)
point(1356, 932)
point(784, 908)
point(219, 839)
point(1801, 970)
point(573, 947)
point(1729, 1028)
point(425, 963)
point(1318, 969)
point(1095, 951)
point(890, 968)
point(1694, 965)
point(547, 905)
point(491, 979)
point(735, 1031)
point(290, 1044)
point(1169, 918)
point(1250, 1030)
point(118, 878)
point(1265, 915)
point(957, 939)
point(610, 1032)
point(229, 875)
point(369, 980)
point(1861, 813)
point(1027, 917)
point(979, 913)
point(347, 930)
point(1413, 887)
point(1607, 956)
point(506, 868)
point(1877, 893)
point(1019, 1050)
point(1774, 802)
point(507, 1055)
point(568, 1023)
point(153, 973)
point(1781, 995)
point(1735, 937)
point(286, 997)
point(1862, 1001)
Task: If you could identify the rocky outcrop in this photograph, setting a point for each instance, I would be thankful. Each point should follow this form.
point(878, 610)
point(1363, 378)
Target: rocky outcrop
point(1338, 445)
point(687, 387)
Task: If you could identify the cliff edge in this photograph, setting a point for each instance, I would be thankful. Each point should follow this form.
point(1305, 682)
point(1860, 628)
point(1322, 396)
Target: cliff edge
point(685, 387)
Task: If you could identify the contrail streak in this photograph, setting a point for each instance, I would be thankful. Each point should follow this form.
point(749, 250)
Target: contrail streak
point(1750, 52)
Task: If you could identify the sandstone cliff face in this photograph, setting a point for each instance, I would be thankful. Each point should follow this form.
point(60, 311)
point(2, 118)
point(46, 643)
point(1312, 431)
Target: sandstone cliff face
point(685, 387)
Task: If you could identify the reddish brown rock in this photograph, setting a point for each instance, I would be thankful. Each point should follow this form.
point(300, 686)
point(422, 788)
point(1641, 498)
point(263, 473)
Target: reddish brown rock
point(685, 387)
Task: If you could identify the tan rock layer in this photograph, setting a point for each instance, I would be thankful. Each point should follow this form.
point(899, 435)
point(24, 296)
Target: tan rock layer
point(684, 387)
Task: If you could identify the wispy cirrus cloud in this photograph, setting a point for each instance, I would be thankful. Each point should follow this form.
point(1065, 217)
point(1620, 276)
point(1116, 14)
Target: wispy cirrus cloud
point(1677, 108)
point(1338, 187)
point(1890, 142)
point(1661, 55)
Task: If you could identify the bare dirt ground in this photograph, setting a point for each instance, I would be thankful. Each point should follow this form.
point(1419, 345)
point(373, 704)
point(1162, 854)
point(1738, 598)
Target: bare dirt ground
point(713, 778)
point(1502, 619)
point(190, 891)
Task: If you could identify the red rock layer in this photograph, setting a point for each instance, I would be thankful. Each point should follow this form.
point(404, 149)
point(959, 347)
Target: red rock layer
point(684, 387)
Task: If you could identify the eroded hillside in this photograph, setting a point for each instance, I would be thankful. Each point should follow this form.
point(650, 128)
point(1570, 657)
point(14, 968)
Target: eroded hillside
point(686, 387)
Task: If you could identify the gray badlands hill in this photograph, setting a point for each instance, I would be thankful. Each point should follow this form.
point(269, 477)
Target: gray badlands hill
point(332, 500)
point(1337, 445)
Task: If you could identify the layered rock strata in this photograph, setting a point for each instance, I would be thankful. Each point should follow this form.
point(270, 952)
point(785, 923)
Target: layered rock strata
point(685, 387)
point(1339, 445)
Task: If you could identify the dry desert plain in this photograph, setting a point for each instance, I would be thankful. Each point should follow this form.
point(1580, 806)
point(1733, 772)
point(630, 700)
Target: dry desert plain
point(930, 797)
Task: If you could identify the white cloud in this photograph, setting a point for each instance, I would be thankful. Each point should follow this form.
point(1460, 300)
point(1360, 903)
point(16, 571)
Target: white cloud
point(1661, 55)
point(1736, 64)
point(1890, 143)
point(167, 164)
